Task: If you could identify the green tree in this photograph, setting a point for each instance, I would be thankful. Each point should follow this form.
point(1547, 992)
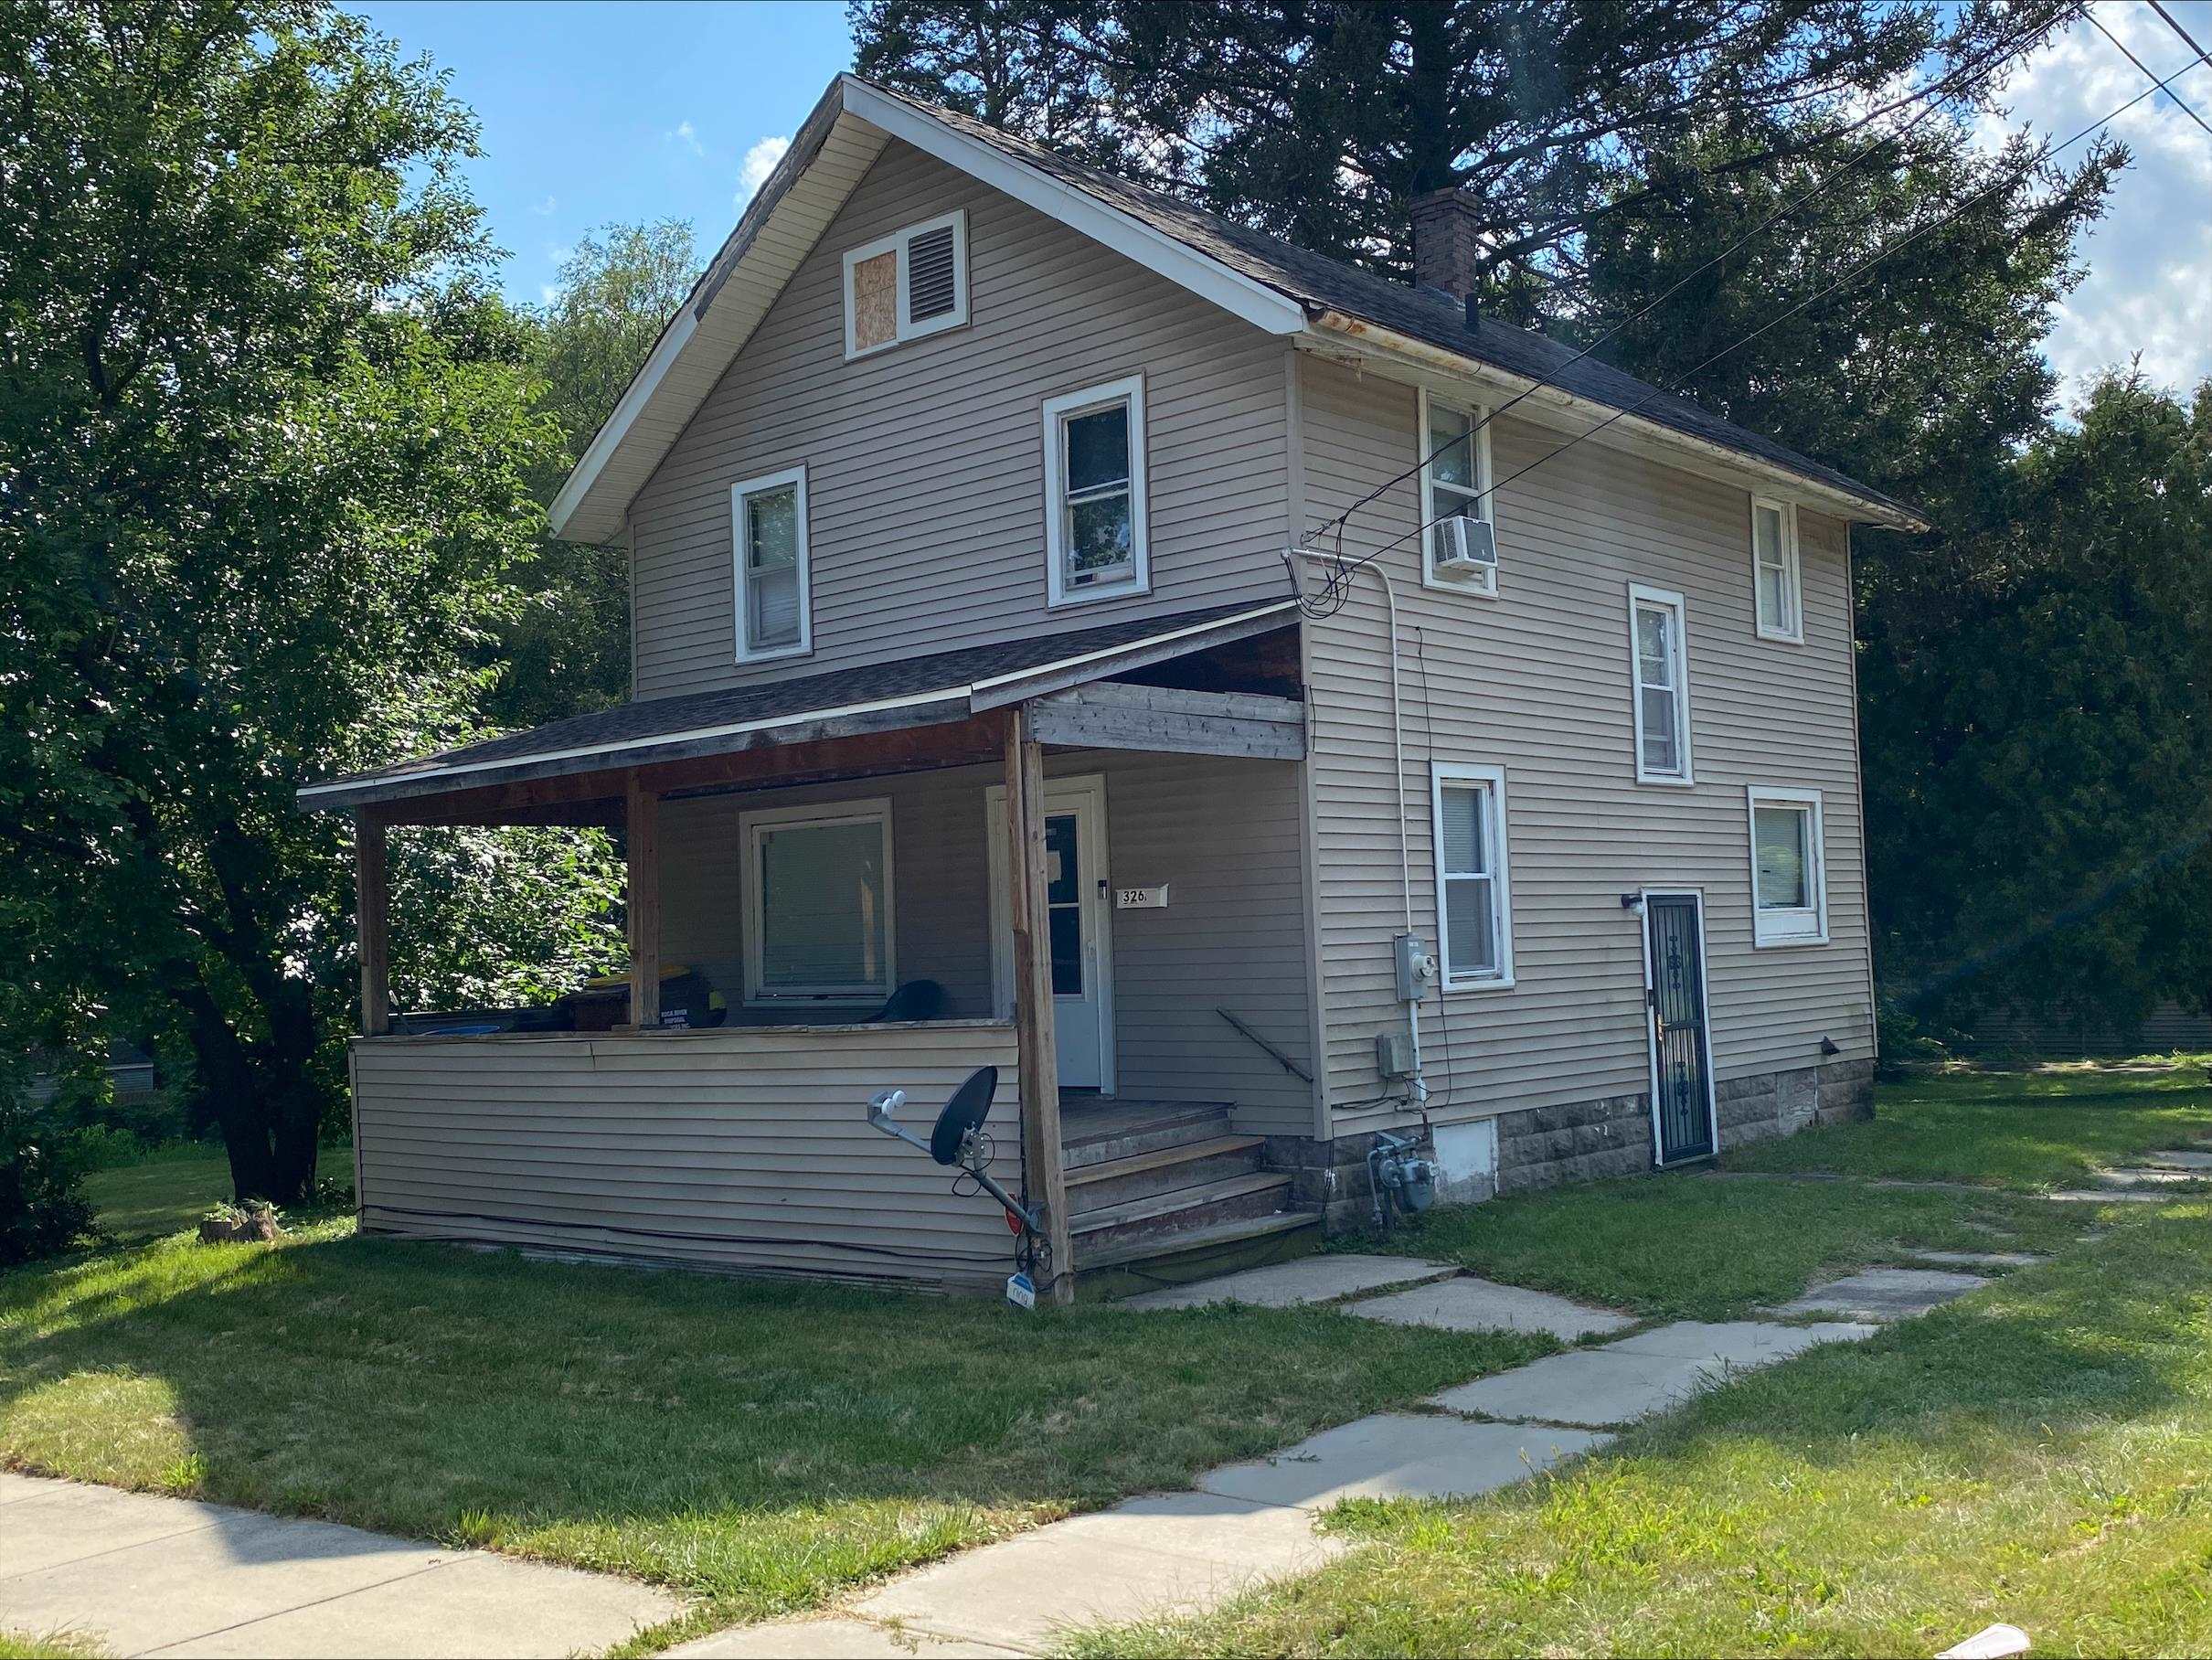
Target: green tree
point(266, 452)
point(1321, 122)
point(567, 648)
point(2038, 734)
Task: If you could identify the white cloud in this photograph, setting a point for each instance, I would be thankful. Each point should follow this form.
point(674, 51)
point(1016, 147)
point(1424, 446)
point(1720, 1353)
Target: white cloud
point(547, 292)
point(545, 209)
point(685, 136)
point(758, 162)
point(2149, 287)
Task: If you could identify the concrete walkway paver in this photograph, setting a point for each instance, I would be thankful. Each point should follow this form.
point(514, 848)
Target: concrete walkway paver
point(143, 1574)
point(2181, 1159)
point(1980, 1259)
point(1168, 1554)
point(1885, 1293)
point(1469, 1304)
point(2127, 1176)
point(1631, 1380)
point(1399, 1455)
point(1325, 1278)
point(840, 1637)
point(2109, 1195)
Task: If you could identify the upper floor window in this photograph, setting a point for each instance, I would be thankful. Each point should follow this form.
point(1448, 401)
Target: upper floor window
point(1094, 493)
point(908, 284)
point(1775, 585)
point(1788, 868)
point(1455, 484)
point(768, 529)
point(1659, 662)
point(1474, 905)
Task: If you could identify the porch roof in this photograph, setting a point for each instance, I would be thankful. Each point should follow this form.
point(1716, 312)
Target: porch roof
point(875, 697)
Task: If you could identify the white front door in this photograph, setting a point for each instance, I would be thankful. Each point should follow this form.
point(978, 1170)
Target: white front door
point(1076, 923)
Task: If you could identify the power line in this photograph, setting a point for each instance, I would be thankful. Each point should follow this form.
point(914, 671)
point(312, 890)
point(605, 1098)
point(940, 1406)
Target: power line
point(1935, 91)
point(2146, 68)
point(2042, 156)
point(2189, 39)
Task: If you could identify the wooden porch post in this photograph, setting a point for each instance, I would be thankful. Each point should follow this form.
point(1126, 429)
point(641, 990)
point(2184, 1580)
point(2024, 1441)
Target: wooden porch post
point(1039, 1058)
point(644, 900)
point(371, 903)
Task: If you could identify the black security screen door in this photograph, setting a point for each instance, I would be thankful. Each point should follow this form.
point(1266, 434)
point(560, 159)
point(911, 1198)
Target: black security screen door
point(1683, 1055)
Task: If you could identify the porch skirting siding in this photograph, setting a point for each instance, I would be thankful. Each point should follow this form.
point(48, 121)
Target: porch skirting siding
point(745, 1149)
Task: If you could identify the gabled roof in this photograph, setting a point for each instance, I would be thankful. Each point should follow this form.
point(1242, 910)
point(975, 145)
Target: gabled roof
point(1270, 284)
point(875, 697)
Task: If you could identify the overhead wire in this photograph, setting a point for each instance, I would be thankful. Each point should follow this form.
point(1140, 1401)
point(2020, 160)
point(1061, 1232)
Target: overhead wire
point(2129, 56)
point(1341, 578)
point(1938, 92)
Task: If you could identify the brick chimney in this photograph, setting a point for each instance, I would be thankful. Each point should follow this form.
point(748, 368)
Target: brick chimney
point(1445, 252)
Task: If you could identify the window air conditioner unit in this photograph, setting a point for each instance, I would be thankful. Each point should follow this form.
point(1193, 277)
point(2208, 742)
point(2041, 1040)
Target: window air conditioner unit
point(1467, 550)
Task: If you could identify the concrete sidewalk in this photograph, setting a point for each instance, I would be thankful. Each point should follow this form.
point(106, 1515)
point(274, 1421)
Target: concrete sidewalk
point(143, 1575)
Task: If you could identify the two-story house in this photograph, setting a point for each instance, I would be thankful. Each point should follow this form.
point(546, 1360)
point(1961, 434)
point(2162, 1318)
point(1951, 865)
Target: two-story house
point(1252, 703)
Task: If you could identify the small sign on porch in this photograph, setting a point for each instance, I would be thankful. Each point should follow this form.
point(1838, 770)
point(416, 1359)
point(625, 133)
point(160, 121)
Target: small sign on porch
point(1141, 899)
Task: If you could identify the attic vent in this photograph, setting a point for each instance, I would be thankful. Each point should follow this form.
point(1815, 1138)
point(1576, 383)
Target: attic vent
point(932, 290)
point(908, 284)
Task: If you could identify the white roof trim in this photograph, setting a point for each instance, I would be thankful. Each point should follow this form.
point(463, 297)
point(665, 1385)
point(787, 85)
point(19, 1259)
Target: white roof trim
point(610, 437)
point(1235, 293)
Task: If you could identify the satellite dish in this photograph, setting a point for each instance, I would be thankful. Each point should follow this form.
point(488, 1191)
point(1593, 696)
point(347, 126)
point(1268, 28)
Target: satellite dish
point(969, 1105)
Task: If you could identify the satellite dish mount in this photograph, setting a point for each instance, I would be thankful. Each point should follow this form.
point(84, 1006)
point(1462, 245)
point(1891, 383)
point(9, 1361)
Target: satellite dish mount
point(957, 1139)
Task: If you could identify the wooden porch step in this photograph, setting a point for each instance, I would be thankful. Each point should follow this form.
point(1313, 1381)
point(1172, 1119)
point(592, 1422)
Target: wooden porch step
point(1140, 1176)
point(1237, 1199)
point(1196, 1253)
point(1127, 1134)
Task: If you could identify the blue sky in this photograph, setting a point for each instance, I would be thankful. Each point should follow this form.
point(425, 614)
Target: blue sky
point(595, 112)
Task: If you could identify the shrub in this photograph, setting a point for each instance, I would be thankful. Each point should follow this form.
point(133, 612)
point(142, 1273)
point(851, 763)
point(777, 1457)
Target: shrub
point(42, 1207)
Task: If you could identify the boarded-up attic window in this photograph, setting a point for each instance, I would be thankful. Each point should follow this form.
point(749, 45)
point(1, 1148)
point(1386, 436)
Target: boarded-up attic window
point(908, 284)
point(876, 301)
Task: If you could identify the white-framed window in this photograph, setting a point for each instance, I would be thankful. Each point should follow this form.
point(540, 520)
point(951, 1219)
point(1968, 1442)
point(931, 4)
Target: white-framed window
point(1776, 590)
point(1474, 896)
point(1095, 544)
point(768, 535)
point(817, 905)
point(1789, 866)
point(911, 283)
point(1456, 481)
point(1659, 670)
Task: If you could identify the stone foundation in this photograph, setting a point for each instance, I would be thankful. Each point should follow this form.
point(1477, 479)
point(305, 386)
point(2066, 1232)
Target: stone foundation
point(1580, 1141)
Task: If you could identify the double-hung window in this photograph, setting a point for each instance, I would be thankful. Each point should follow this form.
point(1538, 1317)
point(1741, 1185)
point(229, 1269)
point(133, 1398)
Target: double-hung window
point(1094, 493)
point(1788, 868)
point(911, 283)
point(817, 903)
point(768, 519)
point(1776, 590)
point(1473, 901)
point(1455, 484)
point(1659, 665)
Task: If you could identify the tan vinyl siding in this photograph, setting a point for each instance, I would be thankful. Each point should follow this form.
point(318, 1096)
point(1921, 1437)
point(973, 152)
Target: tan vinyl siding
point(731, 1149)
point(925, 460)
point(1223, 834)
point(1536, 681)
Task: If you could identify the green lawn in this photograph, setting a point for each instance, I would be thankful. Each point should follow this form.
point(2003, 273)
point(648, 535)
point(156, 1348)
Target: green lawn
point(2030, 1131)
point(161, 1194)
point(759, 1445)
point(2035, 1453)
point(171, 1190)
point(1689, 1246)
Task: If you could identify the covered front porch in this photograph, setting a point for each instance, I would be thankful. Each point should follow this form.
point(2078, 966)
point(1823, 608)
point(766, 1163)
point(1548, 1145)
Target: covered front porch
point(1089, 875)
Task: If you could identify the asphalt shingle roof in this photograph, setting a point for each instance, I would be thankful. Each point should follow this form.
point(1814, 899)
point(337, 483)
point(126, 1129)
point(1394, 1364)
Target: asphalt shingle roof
point(1322, 283)
point(636, 724)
